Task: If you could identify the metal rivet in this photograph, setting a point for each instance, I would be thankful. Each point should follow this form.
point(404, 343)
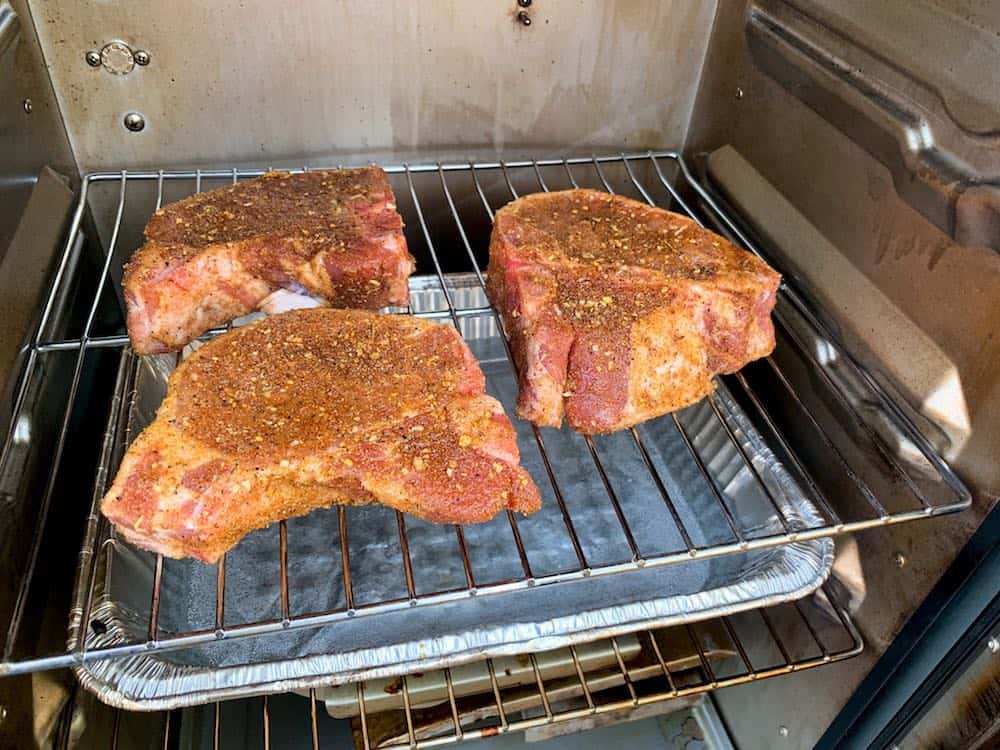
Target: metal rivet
point(783, 731)
point(993, 644)
point(134, 122)
point(524, 3)
point(524, 18)
point(117, 58)
point(141, 57)
point(93, 58)
point(27, 106)
point(739, 93)
point(899, 559)
point(3, 713)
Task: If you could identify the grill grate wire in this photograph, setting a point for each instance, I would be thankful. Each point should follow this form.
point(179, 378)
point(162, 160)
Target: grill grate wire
point(99, 539)
point(636, 683)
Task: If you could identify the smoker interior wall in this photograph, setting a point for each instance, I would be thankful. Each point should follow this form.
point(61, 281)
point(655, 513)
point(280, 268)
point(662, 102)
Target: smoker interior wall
point(264, 82)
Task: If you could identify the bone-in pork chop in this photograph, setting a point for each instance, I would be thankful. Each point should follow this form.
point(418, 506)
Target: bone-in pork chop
point(310, 408)
point(619, 312)
point(218, 255)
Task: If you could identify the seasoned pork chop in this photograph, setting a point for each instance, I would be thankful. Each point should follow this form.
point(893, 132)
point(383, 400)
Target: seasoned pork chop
point(619, 312)
point(218, 255)
point(310, 408)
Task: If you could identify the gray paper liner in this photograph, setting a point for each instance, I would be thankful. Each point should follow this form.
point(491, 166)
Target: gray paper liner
point(431, 636)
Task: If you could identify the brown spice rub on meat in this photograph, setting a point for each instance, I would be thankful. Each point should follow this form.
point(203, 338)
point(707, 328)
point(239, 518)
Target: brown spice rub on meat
point(619, 312)
point(311, 408)
point(217, 255)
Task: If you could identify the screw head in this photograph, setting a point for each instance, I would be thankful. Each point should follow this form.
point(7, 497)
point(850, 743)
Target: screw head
point(27, 106)
point(900, 559)
point(3, 713)
point(141, 57)
point(783, 731)
point(524, 3)
point(93, 58)
point(134, 121)
point(524, 18)
point(993, 644)
point(739, 92)
point(117, 58)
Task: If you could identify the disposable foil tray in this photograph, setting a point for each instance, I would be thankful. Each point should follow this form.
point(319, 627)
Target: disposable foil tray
point(599, 559)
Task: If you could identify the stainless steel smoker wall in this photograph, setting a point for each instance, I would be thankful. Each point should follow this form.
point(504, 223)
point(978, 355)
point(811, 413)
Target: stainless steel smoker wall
point(258, 81)
point(857, 191)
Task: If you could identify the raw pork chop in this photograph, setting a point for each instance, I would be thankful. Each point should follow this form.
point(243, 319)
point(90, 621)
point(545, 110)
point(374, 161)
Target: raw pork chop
point(619, 312)
point(310, 408)
point(215, 256)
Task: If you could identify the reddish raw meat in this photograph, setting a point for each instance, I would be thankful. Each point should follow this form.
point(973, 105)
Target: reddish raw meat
point(218, 255)
point(619, 312)
point(310, 408)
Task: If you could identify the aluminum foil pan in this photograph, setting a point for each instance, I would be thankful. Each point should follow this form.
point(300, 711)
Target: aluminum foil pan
point(516, 619)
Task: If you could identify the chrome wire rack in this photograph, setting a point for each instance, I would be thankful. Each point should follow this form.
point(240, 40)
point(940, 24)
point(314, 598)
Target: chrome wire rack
point(883, 469)
point(616, 674)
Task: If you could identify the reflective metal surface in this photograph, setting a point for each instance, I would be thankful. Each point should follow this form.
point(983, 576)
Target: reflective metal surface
point(612, 677)
point(463, 194)
point(392, 80)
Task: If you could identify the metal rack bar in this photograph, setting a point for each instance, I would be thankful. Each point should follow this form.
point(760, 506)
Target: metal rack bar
point(629, 676)
point(645, 683)
point(680, 427)
point(567, 520)
point(404, 546)
point(220, 595)
point(36, 543)
point(345, 559)
point(313, 725)
point(711, 397)
point(266, 716)
point(663, 664)
point(283, 554)
point(458, 327)
point(713, 682)
point(97, 533)
point(913, 433)
point(584, 686)
point(456, 721)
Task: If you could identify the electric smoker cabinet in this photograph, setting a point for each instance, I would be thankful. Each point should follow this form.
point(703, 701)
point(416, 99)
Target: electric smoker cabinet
point(805, 558)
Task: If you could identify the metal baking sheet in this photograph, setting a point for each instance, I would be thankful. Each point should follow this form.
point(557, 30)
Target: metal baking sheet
point(445, 633)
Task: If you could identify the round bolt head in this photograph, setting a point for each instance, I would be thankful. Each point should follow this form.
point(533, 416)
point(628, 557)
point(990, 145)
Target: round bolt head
point(141, 57)
point(993, 644)
point(134, 122)
point(524, 3)
point(93, 58)
point(117, 58)
point(900, 559)
point(739, 92)
point(27, 106)
point(783, 731)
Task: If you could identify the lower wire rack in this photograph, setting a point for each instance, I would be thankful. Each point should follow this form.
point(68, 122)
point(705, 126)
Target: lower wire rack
point(884, 470)
point(500, 696)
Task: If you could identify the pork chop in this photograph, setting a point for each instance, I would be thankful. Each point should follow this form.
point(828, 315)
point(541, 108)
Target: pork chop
point(619, 312)
point(218, 255)
point(310, 408)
